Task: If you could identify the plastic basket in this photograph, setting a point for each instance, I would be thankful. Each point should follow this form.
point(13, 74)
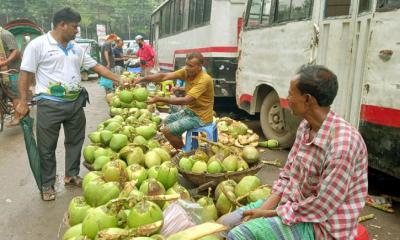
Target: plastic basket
point(134, 70)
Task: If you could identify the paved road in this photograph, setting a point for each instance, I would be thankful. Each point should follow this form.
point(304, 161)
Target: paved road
point(23, 215)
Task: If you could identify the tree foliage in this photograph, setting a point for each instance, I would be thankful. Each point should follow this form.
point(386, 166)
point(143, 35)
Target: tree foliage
point(123, 17)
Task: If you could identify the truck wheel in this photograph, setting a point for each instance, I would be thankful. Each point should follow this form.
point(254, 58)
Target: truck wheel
point(276, 122)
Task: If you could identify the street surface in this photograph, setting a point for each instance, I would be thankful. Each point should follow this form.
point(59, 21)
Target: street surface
point(25, 216)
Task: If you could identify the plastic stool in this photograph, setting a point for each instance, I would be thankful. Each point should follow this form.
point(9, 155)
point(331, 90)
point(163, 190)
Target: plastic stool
point(192, 143)
point(362, 233)
point(167, 86)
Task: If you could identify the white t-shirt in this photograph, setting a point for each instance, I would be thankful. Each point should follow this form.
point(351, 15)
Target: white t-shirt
point(52, 63)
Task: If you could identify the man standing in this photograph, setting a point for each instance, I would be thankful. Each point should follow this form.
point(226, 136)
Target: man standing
point(107, 56)
point(322, 188)
point(9, 59)
point(199, 99)
point(146, 55)
point(55, 61)
point(119, 56)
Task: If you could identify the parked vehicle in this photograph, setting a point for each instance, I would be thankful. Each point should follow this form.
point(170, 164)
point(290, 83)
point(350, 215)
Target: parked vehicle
point(93, 49)
point(24, 31)
point(207, 26)
point(357, 39)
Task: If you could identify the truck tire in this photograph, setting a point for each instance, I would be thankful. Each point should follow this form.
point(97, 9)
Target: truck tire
point(276, 122)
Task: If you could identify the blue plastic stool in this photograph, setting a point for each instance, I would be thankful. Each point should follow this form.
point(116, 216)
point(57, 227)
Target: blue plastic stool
point(191, 143)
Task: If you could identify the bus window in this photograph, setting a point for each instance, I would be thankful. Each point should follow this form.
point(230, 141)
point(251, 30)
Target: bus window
point(265, 13)
point(192, 11)
point(292, 10)
point(207, 10)
point(364, 6)
point(199, 12)
point(335, 8)
point(254, 14)
point(385, 5)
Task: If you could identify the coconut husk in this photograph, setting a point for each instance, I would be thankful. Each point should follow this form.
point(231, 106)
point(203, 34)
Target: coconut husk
point(148, 229)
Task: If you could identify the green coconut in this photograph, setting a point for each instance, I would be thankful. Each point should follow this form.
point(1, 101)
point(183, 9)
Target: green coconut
point(164, 155)
point(100, 152)
point(151, 158)
point(223, 204)
point(135, 156)
point(106, 136)
point(144, 213)
point(185, 164)
point(126, 96)
point(140, 94)
point(118, 141)
point(98, 219)
point(77, 210)
point(140, 140)
point(147, 132)
point(100, 162)
point(199, 167)
point(230, 163)
point(136, 172)
point(209, 211)
point(153, 171)
point(95, 137)
point(229, 186)
point(250, 154)
point(88, 153)
point(246, 185)
point(260, 193)
point(168, 174)
point(72, 232)
point(113, 126)
point(214, 167)
point(115, 171)
point(91, 176)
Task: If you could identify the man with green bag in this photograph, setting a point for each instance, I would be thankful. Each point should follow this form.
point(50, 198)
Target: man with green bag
point(55, 61)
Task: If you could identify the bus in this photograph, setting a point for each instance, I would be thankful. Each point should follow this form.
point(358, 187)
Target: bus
point(207, 26)
point(358, 39)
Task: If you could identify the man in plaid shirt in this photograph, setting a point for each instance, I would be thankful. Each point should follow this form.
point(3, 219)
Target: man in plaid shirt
point(322, 188)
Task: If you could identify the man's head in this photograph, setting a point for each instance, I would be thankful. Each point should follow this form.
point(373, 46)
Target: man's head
point(139, 40)
point(312, 86)
point(66, 22)
point(119, 43)
point(194, 64)
point(111, 38)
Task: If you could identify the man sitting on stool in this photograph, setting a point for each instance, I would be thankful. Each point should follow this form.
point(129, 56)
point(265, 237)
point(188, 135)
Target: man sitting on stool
point(199, 99)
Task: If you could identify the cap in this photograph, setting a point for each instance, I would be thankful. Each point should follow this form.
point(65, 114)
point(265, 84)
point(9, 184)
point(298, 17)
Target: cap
point(138, 37)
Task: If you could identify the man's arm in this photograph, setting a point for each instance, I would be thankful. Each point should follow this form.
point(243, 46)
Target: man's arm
point(103, 71)
point(24, 80)
point(107, 58)
point(173, 100)
point(12, 57)
point(159, 77)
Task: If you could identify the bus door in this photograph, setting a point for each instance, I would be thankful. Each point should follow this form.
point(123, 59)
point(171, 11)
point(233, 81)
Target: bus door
point(343, 40)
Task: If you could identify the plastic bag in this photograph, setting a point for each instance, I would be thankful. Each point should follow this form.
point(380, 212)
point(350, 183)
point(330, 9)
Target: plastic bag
point(181, 215)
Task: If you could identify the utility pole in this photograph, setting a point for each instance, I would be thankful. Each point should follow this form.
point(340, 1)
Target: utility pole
point(129, 27)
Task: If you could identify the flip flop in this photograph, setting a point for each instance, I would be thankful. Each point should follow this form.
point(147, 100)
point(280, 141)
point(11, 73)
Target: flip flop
point(74, 181)
point(48, 193)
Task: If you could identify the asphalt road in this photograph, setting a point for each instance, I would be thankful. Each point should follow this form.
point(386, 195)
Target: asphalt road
point(23, 215)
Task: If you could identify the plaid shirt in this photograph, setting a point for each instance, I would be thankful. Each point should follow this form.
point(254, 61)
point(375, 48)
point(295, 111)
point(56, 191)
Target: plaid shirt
point(325, 181)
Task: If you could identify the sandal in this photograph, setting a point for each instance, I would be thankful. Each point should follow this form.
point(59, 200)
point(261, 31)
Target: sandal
point(48, 193)
point(73, 181)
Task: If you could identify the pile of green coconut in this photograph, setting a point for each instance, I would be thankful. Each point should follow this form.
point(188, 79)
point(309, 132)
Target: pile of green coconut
point(220, 160)
point(133, 180)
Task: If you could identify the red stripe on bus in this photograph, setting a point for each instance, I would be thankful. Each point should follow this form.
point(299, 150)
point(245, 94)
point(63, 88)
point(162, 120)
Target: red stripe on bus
point(381, 115)
point(374, 114)
point(208, 49)
point(246, 98)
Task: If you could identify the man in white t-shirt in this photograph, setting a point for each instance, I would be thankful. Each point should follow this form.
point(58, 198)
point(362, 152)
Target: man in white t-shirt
point(55, 61)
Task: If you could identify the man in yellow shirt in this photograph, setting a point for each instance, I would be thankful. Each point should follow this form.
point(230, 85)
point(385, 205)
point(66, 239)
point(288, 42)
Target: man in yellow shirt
point(199, 99)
